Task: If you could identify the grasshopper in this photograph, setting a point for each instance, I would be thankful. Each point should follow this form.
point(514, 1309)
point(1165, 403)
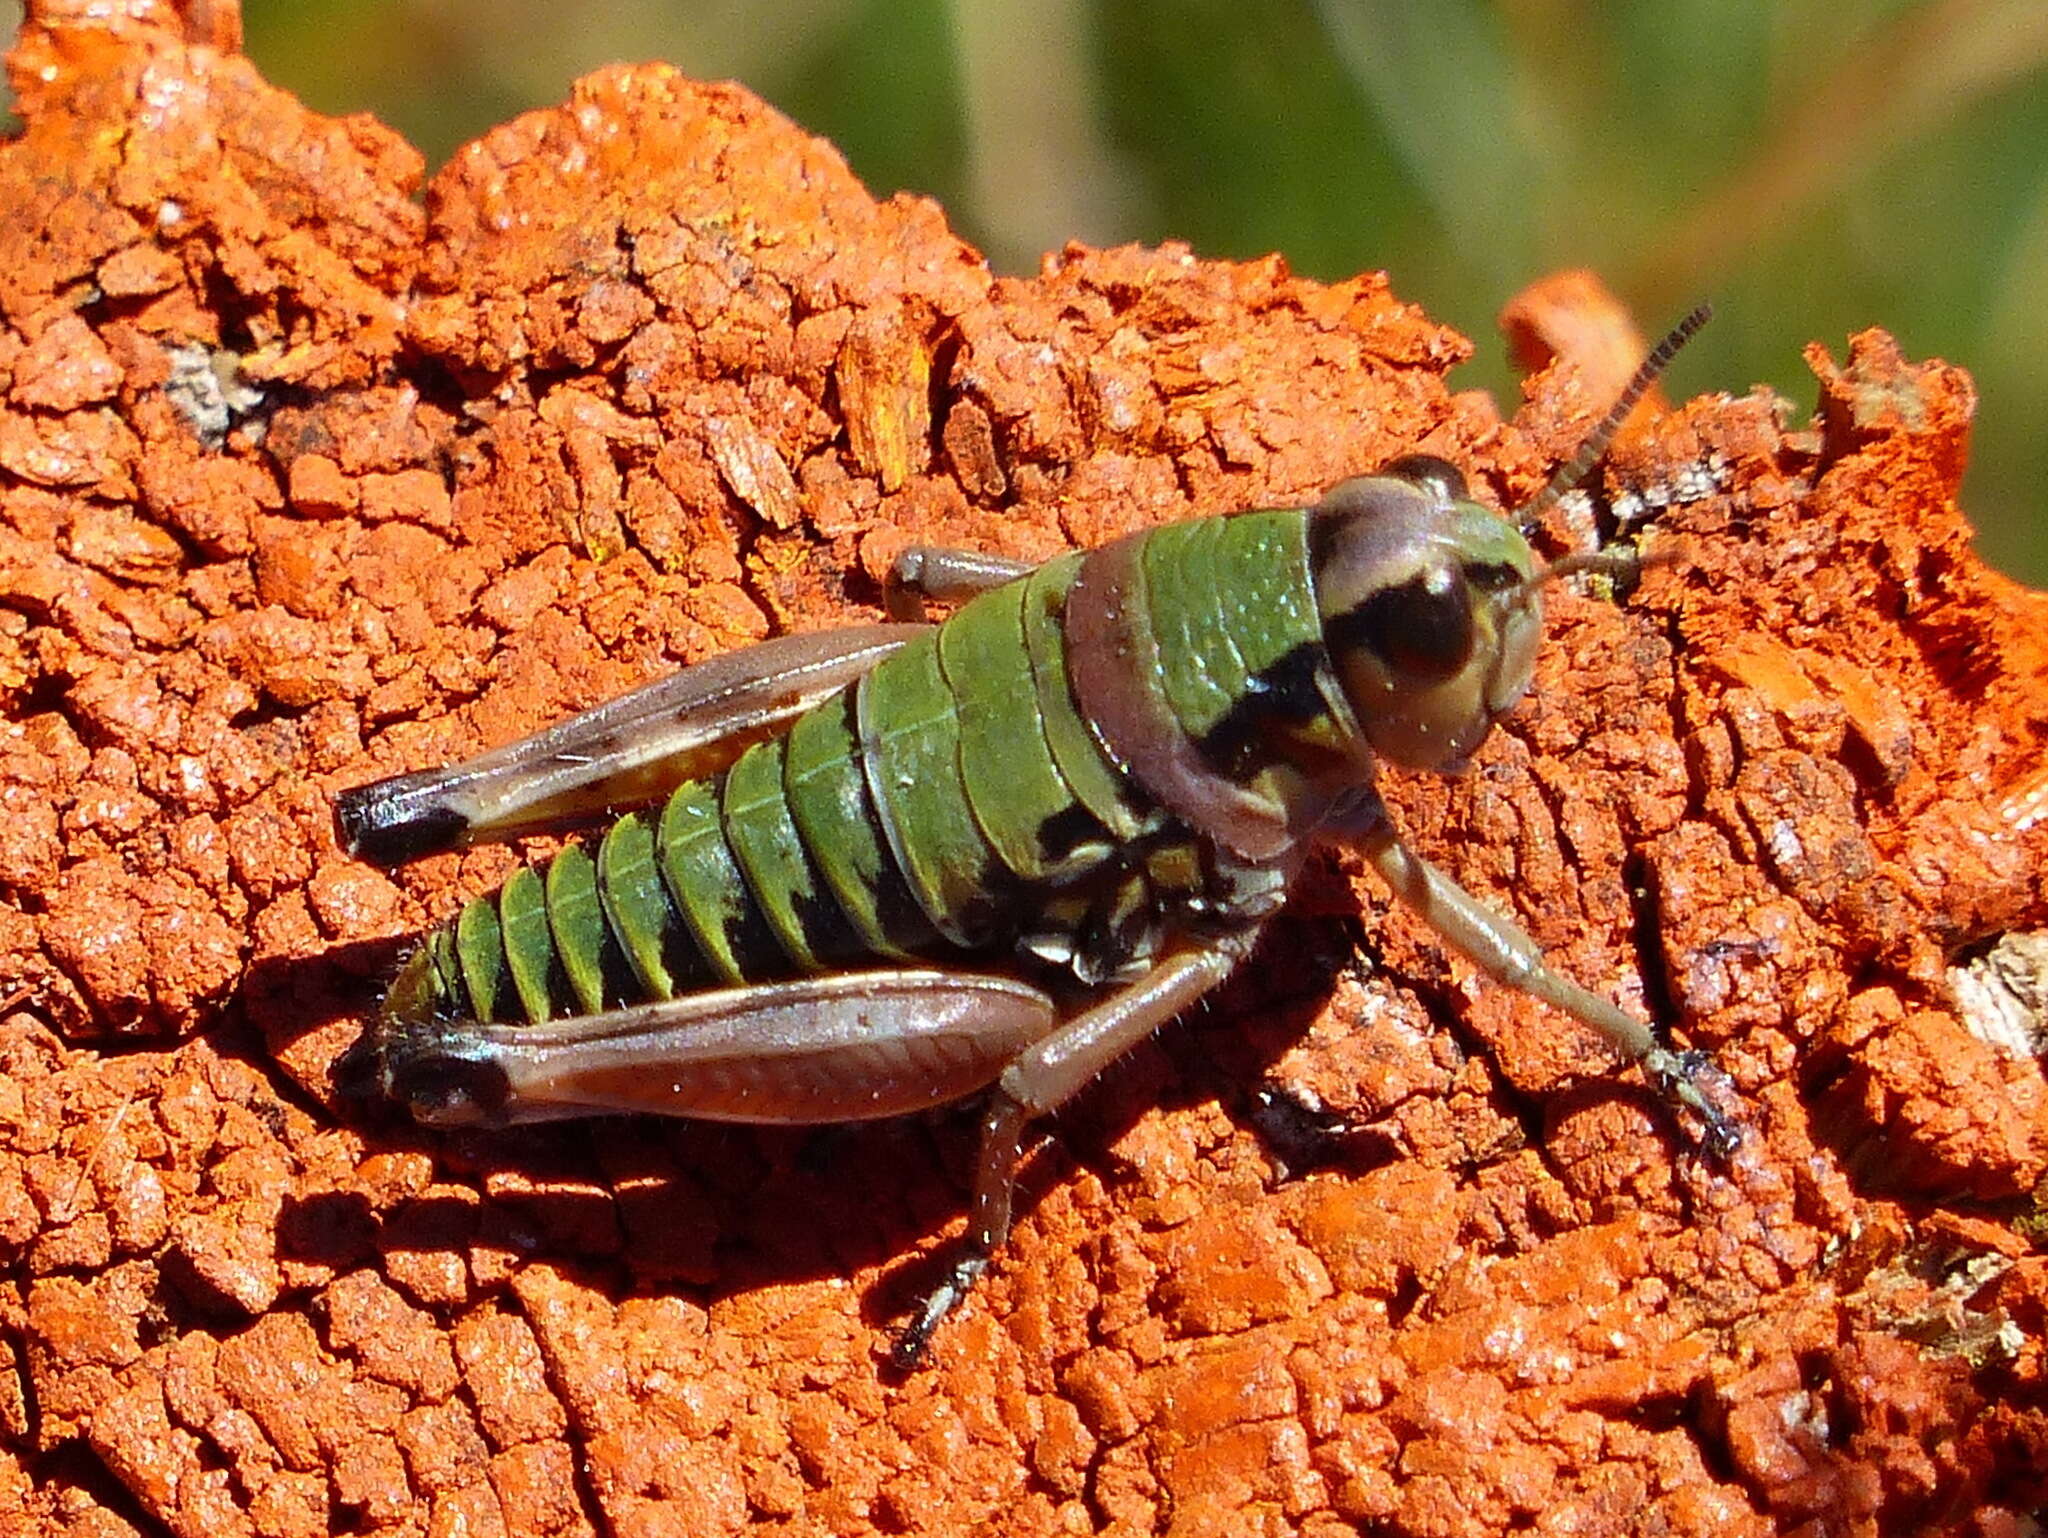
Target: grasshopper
point(879, 869)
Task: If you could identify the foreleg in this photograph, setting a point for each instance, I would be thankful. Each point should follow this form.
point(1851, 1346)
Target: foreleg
point(1499, 948)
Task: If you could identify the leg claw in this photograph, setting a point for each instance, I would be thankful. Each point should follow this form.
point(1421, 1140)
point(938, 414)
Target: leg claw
point(1690, 1080)
point(908, 1352)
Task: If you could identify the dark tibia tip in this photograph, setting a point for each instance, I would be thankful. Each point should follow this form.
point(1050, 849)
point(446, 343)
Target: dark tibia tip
point(451, 1091)
point(388, 826)
point(429, 1068)
point(358, 1074)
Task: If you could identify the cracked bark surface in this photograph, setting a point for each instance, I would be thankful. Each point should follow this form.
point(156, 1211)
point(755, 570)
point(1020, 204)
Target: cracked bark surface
point(304, 480)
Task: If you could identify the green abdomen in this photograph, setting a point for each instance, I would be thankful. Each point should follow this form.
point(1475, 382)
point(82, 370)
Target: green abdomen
point(925, 813)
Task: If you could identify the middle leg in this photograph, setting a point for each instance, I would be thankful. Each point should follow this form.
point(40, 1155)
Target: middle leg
point(947, 575)
point(1041, 1079)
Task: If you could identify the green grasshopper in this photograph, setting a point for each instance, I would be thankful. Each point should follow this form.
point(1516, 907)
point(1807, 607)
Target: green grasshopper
point(884, 868)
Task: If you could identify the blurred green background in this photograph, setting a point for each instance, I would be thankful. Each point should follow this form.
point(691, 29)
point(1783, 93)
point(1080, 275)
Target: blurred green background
point(1813, 166)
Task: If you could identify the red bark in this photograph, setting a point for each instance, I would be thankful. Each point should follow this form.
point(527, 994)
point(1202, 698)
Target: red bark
point(300, 484)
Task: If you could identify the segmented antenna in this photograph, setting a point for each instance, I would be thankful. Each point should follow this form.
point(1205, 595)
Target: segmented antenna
point(1621, 564)
point(1573, 470)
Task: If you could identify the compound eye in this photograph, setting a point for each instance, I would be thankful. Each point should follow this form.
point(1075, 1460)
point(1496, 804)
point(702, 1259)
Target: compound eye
point(1422, 630)
point(1439, 477)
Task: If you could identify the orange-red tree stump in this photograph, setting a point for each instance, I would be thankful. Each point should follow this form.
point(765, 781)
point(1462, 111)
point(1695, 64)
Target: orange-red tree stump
point(301, 483)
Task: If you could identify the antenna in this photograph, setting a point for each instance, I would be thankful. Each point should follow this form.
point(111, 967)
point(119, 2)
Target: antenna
point(1620, 564)
point(1573, 470)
